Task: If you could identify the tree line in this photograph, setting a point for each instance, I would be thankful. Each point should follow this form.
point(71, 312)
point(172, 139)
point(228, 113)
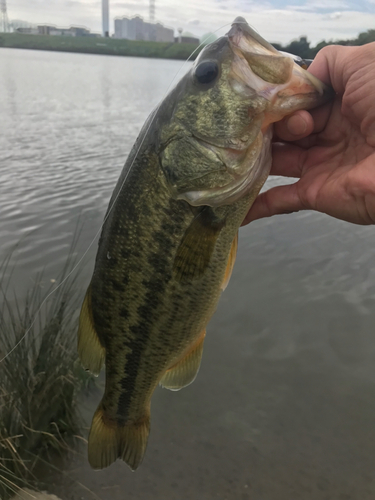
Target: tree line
point(302, 47)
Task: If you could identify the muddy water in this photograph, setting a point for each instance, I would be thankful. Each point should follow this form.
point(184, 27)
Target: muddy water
point(284, 405)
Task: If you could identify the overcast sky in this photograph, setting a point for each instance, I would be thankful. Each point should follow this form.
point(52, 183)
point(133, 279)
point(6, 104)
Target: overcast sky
point(276, 20)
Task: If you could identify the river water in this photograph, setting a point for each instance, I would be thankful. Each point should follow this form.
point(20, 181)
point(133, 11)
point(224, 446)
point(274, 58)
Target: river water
point(284, 404)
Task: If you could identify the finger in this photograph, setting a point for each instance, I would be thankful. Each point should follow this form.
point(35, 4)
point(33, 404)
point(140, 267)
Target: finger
point(321, 115)
point(278, 200)
point(300, 126)
point(320, 67)
point(334, 64)
point(296, 126)
point(287, 160)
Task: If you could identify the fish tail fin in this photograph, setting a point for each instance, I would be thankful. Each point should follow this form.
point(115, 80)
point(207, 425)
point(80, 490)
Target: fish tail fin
point(109, 440)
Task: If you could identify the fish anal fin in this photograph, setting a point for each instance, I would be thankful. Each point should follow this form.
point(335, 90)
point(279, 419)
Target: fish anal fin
point(90, 349)
point(108, 440)
point(196, 247)
point(230, 264)
point(184, 372)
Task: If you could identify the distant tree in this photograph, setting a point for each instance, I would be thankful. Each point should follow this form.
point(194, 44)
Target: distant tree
point(188, 34)
point(208, 38)
point(302, 47)
point(362, 39)
point(299, 47)
point(278, 46)
point(316, 49)
point(366, 37)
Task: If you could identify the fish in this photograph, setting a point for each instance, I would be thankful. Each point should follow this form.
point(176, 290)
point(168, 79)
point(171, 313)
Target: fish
point(169, 238)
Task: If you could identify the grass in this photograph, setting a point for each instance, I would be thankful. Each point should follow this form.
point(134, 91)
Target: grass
point(39, 379)
point(92, 45)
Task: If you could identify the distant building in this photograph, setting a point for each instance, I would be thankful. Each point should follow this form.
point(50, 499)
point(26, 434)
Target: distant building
point(105, 17)
point(79, 31)
point(186, 38)
point(27, 31)
point(163, 34)
point(137, 29)
point(60, 32)
point(46, 29)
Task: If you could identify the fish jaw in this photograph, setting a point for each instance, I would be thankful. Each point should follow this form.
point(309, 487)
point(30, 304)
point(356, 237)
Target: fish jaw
point(272, 75)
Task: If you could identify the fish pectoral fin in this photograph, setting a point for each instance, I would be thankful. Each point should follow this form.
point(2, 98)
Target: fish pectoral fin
point(90, 349)
point(109, 441)
point(185, 371)
point(196, 247)
point(230, 264)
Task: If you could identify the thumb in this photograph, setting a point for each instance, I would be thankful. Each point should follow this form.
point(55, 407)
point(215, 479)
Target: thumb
point(278, 200)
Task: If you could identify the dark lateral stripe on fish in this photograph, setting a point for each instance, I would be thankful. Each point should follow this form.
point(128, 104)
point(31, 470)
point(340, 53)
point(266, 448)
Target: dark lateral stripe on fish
point(140, 332)
point(137, 345)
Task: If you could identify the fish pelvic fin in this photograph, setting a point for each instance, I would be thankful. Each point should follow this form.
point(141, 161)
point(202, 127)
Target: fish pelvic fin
point(230, 264)
point(194, 253)
point(108, 440)
point(184, 372)
point(90, 349)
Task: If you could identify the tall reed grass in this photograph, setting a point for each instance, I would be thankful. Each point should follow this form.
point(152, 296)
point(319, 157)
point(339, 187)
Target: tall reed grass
point(40, 378)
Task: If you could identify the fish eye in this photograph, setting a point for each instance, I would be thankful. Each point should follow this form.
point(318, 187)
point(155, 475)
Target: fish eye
point(206, 72)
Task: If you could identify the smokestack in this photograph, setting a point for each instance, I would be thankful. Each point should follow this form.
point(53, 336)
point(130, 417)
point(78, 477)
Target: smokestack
point(105, 17)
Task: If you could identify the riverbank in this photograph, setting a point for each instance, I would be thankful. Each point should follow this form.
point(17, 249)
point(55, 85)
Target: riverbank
point(91, 45)
point(26, 494)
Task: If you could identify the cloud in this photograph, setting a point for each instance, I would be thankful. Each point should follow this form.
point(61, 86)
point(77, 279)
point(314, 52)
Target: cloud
point(316, 19)
point(319, 5)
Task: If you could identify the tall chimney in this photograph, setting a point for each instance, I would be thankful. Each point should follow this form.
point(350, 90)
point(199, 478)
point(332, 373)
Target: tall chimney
point(105, 17)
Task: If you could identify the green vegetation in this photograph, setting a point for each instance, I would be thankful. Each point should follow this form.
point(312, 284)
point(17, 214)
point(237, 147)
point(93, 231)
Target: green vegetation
point(302, 47)
point(92, 45)
point(39, 379)
point(116, 47)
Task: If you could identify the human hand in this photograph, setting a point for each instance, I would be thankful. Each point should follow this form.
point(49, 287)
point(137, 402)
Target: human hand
point(331, 149)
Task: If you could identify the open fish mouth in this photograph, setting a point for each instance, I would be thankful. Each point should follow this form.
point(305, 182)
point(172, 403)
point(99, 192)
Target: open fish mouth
point(278, 77)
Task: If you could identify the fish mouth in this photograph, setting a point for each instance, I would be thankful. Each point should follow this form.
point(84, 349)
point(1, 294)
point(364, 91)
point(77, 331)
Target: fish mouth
point(277, 77)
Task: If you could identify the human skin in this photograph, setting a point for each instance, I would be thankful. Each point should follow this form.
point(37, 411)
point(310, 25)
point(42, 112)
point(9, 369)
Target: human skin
point(331, 150)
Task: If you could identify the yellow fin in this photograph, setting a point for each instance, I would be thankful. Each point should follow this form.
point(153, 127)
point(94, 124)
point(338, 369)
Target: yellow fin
point(230, 264)
point(109, 441)
point(196, 247)
point(185, 371)
point(90, 350)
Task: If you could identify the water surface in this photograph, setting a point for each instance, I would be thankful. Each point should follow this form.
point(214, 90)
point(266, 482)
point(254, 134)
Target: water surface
point(284, 404)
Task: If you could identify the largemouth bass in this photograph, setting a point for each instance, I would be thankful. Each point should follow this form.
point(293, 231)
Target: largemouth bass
point(169, 238)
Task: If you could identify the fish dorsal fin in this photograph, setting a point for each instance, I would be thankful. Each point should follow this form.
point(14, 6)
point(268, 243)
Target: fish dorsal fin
point(196, 247)
point(90, 349)
point(184, 372)
point(230, 264)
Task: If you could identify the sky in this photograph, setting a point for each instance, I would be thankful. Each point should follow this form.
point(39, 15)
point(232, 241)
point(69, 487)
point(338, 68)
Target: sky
point(276, 20)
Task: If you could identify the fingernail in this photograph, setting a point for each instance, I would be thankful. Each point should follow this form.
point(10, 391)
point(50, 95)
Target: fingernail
point(296, 125)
